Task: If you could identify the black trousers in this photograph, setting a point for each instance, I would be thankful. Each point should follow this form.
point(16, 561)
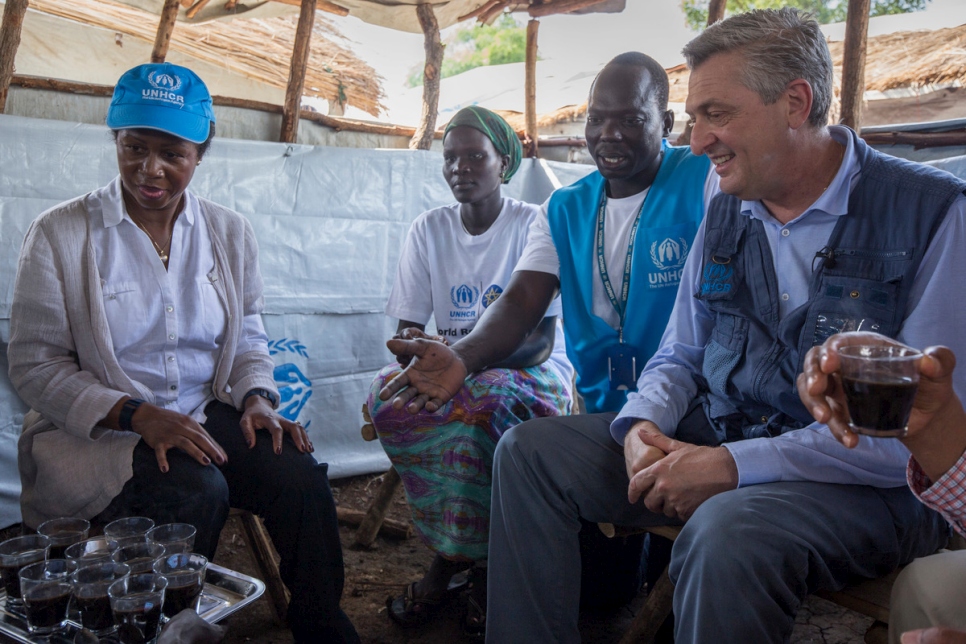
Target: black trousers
point(290, 492)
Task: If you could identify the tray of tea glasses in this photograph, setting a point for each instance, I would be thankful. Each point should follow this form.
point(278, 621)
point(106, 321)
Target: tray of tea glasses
point(224, 593)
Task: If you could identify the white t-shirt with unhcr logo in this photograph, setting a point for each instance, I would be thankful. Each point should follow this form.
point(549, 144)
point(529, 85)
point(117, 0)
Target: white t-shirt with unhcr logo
point(453, 276)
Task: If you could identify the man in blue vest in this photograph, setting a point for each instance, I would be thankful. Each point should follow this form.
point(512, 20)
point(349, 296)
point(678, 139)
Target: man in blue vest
point(815, 233)
point(614, 244)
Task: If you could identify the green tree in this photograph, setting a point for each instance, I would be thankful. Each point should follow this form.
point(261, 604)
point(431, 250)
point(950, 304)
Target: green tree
point(505, 41)
point(825, 11)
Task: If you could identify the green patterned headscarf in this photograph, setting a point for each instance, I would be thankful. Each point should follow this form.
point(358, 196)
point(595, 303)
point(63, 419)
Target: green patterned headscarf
point(504, 139)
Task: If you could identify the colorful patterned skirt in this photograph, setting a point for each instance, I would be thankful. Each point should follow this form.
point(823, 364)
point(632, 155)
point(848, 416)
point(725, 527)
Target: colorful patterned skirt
point(445, 459)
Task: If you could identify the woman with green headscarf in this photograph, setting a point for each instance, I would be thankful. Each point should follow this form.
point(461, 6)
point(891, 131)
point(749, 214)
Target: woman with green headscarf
point(456, 261)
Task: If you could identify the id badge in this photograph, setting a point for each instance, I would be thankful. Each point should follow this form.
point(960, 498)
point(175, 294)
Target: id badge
point(622, 367)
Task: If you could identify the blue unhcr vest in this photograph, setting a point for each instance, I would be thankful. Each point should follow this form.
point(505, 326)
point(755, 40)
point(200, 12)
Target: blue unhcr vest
point(672, 211)
point(862, 277)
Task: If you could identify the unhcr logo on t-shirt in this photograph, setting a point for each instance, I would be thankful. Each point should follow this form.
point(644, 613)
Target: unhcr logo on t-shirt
point(669, 257)
point(165, 88)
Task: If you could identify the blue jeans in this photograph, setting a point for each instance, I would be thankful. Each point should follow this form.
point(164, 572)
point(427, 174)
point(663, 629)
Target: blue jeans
point(290, 492)
point(742, 565)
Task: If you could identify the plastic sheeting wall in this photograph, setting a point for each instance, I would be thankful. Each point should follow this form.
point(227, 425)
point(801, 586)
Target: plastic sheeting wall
point(330, 223)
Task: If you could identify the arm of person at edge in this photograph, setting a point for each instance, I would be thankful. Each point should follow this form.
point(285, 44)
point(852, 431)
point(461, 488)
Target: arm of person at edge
point(253, 367)
point(934, 635)
point(811, 453)
point(936, 435)
point(437, 371)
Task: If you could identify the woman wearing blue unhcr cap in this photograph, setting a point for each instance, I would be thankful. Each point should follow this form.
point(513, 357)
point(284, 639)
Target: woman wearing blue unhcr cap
point(136, 338)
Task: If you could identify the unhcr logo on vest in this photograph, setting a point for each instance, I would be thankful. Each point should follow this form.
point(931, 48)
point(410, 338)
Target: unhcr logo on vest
point(716, 278)
point(668, 257)
point(165, 88)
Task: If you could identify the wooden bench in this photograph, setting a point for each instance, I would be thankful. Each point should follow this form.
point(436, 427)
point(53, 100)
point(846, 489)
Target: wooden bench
point(869, 597)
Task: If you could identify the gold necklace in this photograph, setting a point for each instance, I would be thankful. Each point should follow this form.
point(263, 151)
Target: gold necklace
point(161, 252)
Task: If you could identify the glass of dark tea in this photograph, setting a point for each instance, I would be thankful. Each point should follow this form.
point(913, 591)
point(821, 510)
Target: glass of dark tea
point(45, 587)
point(16, 554)
point(90, 585)
point(139, 556)
point(136, 602)
point(91, 551)
point(62, 533)
point(880, 383)
point(185, 573)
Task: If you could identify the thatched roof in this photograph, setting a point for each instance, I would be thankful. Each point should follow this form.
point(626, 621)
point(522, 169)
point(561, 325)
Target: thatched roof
point(905, 59)
point(260, 49)
point(913, 59)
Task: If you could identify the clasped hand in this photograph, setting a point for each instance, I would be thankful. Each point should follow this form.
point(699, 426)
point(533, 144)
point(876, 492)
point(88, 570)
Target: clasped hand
point(434, 372)
point(674, 478)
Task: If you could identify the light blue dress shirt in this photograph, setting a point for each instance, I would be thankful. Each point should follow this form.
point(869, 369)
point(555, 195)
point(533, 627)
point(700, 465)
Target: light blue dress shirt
point(936, 315)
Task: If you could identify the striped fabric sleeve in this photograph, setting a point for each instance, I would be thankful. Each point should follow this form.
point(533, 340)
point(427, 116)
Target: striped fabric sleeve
point(946, 496)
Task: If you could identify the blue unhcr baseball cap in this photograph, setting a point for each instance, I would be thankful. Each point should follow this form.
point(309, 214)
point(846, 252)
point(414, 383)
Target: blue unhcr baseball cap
point(165, 97)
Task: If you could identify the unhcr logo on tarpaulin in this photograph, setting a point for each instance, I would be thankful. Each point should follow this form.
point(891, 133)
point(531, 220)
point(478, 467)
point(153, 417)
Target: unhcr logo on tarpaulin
point(294, 389)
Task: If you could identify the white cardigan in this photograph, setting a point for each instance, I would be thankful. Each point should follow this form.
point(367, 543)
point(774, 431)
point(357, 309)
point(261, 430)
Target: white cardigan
point(62, 360)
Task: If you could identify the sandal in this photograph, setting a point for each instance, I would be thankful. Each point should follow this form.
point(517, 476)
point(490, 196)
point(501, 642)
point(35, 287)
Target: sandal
point(410, 611)
point(474, 611)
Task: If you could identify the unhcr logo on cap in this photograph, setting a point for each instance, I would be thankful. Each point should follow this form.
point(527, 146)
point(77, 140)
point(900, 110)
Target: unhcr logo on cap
point(165, 87)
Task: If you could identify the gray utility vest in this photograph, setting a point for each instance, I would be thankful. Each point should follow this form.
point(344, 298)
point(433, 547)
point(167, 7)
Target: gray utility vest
point(860, 281)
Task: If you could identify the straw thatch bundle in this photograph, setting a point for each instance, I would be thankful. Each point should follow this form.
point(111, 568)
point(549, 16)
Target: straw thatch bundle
point(912, 59)
point(906, 59)
point(260, 49)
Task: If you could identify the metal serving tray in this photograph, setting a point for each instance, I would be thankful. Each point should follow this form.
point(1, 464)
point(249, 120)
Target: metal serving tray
point(225, 592)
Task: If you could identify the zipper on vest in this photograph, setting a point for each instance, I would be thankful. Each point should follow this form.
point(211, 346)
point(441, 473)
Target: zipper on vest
point(873, 254)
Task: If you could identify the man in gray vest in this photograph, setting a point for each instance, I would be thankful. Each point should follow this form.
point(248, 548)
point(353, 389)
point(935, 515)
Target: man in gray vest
point(815, 233)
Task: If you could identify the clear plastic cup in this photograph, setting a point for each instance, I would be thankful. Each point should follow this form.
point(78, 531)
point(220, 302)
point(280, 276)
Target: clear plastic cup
point(128, 527)
point(62, 533)
point(136, 602)
point(139, 556)
point(185, 573)
point(89, 585)
point(175, 537)
point(91, 551)
point(46, 591)
point(16, 554)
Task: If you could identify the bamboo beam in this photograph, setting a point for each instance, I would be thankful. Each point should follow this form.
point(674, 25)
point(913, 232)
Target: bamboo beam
point(321, 5)
point(296, 73)
point(560, 6)
point(530, 102)
point(853, 63)
point(716, 11)
point(423, 137)
point(169, 15)
point(195, 8)
point(10, 28)
point(490, 14)
point(483, 8)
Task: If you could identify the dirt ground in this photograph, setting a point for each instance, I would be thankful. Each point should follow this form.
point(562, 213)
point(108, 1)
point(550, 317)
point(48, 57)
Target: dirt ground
point(374, 574)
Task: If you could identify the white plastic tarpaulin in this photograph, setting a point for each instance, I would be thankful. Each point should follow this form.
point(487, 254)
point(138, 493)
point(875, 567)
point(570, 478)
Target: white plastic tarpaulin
point(330, 223)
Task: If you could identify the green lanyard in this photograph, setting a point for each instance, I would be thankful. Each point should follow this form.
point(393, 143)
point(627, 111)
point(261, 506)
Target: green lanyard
point(619, 305)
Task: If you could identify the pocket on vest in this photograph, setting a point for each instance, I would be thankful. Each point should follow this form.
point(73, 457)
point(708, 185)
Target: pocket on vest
point(849, 303)
point(724, 351)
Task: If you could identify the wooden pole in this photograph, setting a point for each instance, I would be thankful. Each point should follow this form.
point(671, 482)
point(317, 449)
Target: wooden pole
point(169, 15)
point(296, 73)
point(716, 11)
point(853, 63)
point(433, 47)
point(530, 104)
point(13, 13)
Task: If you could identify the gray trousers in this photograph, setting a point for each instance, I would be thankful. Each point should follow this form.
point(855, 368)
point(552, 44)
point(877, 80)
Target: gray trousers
point(741, 567)
point(929, 592)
